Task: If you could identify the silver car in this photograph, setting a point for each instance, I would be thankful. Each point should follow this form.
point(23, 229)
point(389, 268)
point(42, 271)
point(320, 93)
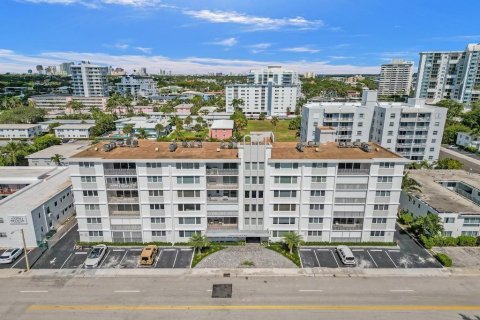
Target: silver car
point(95, 256)
point(10, 255)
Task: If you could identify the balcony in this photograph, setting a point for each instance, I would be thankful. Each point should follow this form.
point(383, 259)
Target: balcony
point(120, 172)
point(122, 186)
point(91, 199)
point(222, 199)
point(407, 128)
point(116, 213)
point(353, 172)
point(220, 226)
point(123, 199)
point(351, 186)
point(347, 227)
point(222, 186)
point(222, 172)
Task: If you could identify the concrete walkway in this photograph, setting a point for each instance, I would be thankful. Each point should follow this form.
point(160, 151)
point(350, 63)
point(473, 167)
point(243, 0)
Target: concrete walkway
point(248, 256)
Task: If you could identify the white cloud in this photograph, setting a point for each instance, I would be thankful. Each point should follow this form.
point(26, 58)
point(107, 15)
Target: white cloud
point(121, 46)
point(253, 22)
point(301, 50)
point(11, 61)
point(144, 49)
point(97, 3)
point(339, 57)
point(229, 42)
point(259, 47)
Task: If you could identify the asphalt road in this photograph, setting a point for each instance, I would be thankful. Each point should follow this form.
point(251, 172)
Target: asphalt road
point(265, 298)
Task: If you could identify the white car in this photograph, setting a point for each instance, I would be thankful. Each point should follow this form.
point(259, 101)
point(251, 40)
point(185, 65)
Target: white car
point(10, 255)
point(95, 256)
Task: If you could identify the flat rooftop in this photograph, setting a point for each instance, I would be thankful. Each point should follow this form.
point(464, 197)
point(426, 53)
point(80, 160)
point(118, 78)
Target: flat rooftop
point(288, 150)
point(222, 124)
point(17, 126)
point(19, 174)
point(439, 197)
point(66, 150)
point(79, 126)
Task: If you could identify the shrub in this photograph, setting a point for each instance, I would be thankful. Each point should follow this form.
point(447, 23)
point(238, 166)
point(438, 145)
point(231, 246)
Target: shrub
point(427, 242)
point(405, 218)
point(467, 241)
point(204, 253)
point(446, 241)
point(284, 251)
point(444, 259)
point(350, 244)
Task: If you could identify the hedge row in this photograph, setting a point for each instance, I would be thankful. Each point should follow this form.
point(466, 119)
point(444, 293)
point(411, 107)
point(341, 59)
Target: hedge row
point(351, 244)
point(132, 244)
point(204, 253)
point(444, 259)
point(441, 241)
point(283, 250)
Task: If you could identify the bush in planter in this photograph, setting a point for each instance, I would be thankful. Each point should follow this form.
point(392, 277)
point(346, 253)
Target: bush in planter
point(442, 241)
point(444, 259)
point(467, 241)
point(427, 242)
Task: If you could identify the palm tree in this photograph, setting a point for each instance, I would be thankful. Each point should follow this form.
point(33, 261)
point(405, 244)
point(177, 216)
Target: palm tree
point(409, 185)
point(159, 129)
point(142, 133)
point(12, 152)
point(236, 103)
point(75, 106)
point(57, 159)
point(128, 129)
point(188, 121)
point(261, 116)
point(199, 241)
point(274, 122)
point(199, 120)
point(292, 240)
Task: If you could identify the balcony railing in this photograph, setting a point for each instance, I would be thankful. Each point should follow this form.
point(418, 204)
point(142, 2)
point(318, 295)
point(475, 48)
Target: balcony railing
point(123, 199)
point(123, 186)
point(351, 186)
point(216, 185)
point(348, 172)
point(124, 213)
point(349, 227)
point(218, 226)
point(222, 199)
point(120, 172)
point(222, 172)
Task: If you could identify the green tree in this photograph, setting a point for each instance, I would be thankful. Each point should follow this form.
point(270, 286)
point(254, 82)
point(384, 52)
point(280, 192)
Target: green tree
point(45, 141)
point(292, 240)
point(188, 121)
point(199, 241)
point(274, 122)
point(103, 123)
point(262, 116)
point(237, 103)
point(448, 164)
point(75, 106)
point(451, 131)
point(429, 225)
point(199, 120)
point(159, 129)
point(239, 120)
point(128, 129)
point(22, 114)
point(57, 159)
point(409, 185)
point(142, 133)
point(455, 108)
point(295, 123)
point(13, 151)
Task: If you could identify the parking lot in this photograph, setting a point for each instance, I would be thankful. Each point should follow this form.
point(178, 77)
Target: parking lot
point(19, 263)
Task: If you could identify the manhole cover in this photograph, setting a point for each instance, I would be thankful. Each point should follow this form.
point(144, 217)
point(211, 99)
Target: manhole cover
point(222, 291)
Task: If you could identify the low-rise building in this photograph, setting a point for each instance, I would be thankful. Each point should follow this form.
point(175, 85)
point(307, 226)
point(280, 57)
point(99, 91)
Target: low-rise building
point(19, 131)
point(74, 131)
point(454, 195)
point(46, 125)
point(184, 108)
point(137, 86)
point(149, 124)
point(221, 129)
point(37, 200)
point(66, 150)
point(55, 102)
point(468, 140)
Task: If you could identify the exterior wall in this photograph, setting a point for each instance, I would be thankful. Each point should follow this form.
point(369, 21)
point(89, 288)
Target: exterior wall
point(18, 133)
point(137, 86)
point(465, 139)
point(221, 133)
point(72, 133)
point(89, 80)
point(395, 78)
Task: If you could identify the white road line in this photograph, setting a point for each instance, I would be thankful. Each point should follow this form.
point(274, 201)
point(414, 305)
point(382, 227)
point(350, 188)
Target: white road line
point(126, 291)
point(170, 249)
point(402, 290)
point(185, 249)
point(16, 262)
point(310, 290)
point(34, 291)
point(372, 258)
point(176, 255)
point(386, 252)
point(357, 250)
point(136, 250)
point(316, 257)
point(394, 250)
point(323, 249)
point(209, 290)
point(333, 254)
point(120, 263)
point(81, 252)
point(104, 259)
point(375, 250)
point(158, 258)
point(63, 265)
point(305, 249)
point(118, 250)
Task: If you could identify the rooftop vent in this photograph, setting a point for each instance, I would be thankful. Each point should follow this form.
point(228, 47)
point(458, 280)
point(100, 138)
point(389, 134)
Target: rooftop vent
point(366, 147)
point(134, 143)
point(172, 147)
point(300, 147)
point(109, 146)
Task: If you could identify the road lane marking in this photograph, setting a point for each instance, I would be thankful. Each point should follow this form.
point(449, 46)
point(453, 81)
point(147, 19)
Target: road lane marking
point(310, 290)
point(126, 291)
point(391, 259)
point(68, 231)
point(334, 258)
point(104, 258)
point(402, 290)
point(120, 263)
point(175, 260)
point(316, 257)
point(372, 259)
point(34, 291)
point(253, 307)
point(63, 265)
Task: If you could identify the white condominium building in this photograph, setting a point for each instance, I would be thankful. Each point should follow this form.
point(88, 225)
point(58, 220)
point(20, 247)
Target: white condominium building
point(395, 78)
point(449, 75)
point(89, 80)
point(163, 192)
point(413, 129)
point(136, 86)
point(273, 91)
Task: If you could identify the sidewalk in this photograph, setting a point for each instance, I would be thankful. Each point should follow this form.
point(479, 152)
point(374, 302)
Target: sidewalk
point(62, 230)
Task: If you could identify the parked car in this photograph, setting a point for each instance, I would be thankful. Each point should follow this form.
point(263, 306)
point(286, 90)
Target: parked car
point(95, 256)
point(147, 258)
point(10, 255)
point(346, 255)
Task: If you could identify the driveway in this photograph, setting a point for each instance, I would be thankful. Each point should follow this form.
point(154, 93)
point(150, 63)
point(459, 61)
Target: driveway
point(461, 256)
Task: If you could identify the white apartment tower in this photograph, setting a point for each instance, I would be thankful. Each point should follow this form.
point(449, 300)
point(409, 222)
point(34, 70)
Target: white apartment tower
point(273, 91)
point(449, 75)
point(89, 80)
point(137, 86)
point(395, 78)
point(165, 193)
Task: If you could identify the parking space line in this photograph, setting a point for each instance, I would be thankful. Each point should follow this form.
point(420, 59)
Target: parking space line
point(386, 252)
point(305, 249)
point(358, 250)
point(170, 249)
point(120, 263)
point(34, 291)
point(310, 290)
point(118, 250)
point(81, 252)
point(323, 249)
point(126, 291)
point(402, 290)
point(394, 250)
point(334, 258)
point(185, 249)
point(63, 265)
point(16, 262)
point(176, 255)
point(316, 257)
point(104, 259)
point(375, 250)
point(372, 258)
point(133, 249)
point(158, 258)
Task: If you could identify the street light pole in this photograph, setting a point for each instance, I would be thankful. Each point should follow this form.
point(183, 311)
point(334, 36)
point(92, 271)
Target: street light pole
point(25, 250)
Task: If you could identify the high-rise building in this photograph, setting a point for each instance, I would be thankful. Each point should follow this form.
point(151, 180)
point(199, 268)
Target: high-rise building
point(449, 75)
point(414, 129)
point(273, 91)
point(158, 191)
point(51, 70)
point(39, 69)
point(89, 80)
point(395, 78)
point(137, 86)
point(66, 68)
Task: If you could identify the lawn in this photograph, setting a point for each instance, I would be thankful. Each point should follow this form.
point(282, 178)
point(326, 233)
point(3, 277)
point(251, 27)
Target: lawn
point(281, 132)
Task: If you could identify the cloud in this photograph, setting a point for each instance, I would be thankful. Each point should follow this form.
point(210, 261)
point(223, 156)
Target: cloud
point(458, 37)
point(11, 61)
point(301, 50)
point(339, 57)
point(121, 46)
point(98, 3)
point(229, 42)
point(259, 47)
point(144, 49)
point(253, 22)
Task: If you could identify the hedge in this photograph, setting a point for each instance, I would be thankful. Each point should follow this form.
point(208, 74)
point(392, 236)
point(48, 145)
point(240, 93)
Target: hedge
point(131, 244)
point(351, 244)
point(206, 252)
point(284, 251)
point(441, 241)
point(467, 241)
point(444, 259)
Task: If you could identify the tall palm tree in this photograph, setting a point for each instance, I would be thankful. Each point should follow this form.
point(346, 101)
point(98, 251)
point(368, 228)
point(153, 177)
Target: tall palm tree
point(199, 241)
point(409, 185)
point(274, 122)
point(159, 129)
point(57, 159)
point(13, 151)
point(142, 133)
point(236, 103)
point(75, 106)
point(292, 240)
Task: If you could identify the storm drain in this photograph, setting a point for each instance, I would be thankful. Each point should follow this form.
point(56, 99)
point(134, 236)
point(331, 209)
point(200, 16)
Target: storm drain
point(222, 291)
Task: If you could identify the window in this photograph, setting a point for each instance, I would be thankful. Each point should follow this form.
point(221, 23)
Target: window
point(317, 206)
point(157, 220)
point(160, 233)
point(88, 179)
point(254, 180)
point(187, 233)
point(1, 220)
point(190, 220)
point(188, 180)
point(360, 124)
point(94, 220)
point(285, 179)
point(315, 220)
point(155, 193)
point(470, 233)
point(95, 233)
point(86, 164)
point(319, 165)
point(391, 124)
point(392, 115)
point(434, 140)
point(435, 133)
point(379, 220)
point(247, 165)
point(437, 124)
point(387, 165)
point(377, 233)
point(449, 220)
point(314, 233)
point(90, 193)
point(188, 193)
point(279, 233)
point(380, 207)
point(189, 207)
point(359, 133)
point(390, 133)
point(157, 206)
point(154, 165)
point(384, 179)
point(3, 234)
point(317, 179)
point(187, 166)
point(317, 193)
point(284, 193)
point(154, 179)
point(471, 222)
point(284, 207)
point(361, 115)
point(247, 180)
point(284, 220)
point(389, 140)
point(286, 165)
point(92, 207)
point(382, 193)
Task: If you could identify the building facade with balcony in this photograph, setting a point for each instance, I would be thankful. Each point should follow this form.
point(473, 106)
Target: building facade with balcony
point(395, 78)
point(89, 80)
point(19, 131)
point(255, 190)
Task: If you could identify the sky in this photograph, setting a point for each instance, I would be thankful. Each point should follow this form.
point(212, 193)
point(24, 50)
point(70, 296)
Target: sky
point(231, 36)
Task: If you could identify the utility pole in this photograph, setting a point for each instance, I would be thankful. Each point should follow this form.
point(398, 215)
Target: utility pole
point(25, 250)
